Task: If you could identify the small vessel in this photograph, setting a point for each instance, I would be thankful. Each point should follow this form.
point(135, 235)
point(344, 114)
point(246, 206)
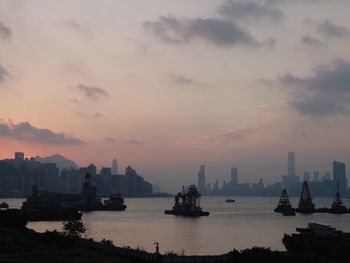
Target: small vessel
point(318, 239)
point(229, 200)
point(284, 205)
point(4, 205)
point(187, 203)
point(115, 203)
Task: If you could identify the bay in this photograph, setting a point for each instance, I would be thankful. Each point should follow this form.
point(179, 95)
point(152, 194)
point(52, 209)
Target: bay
point(248, 222)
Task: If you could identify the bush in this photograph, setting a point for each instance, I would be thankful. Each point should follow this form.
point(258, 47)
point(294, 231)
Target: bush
point(74, 228)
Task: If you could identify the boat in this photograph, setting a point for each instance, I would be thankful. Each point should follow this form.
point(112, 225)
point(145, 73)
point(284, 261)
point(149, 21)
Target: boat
point(284, 205)
point(4, 205)
point(306, 206)
point(115, 203)
point(187, 203)
point(229, 200)
point(318, 239)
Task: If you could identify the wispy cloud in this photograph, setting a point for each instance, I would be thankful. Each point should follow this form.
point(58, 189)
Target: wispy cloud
point(24, 131)
point(250, 10)
point(129, 141)
point(215, 31)
point(312, 41)
point(329, 29)
point(91, 92)
point(3, 73)
point(180, 79)
point(5, 32)
point(77, 27)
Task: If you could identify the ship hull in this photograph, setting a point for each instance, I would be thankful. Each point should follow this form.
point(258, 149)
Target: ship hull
point(187, 214)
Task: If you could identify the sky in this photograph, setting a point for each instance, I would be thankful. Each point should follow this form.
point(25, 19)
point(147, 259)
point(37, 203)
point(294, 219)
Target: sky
point(165, 86)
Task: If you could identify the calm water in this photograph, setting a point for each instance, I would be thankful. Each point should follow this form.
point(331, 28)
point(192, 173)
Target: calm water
point(247, 222)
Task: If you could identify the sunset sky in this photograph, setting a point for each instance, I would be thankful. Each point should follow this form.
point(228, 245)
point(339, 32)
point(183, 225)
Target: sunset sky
point(168, 85)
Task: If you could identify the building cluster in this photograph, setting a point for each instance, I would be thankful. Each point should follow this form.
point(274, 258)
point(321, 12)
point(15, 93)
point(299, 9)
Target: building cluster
point(18, 175)
point(320, 185)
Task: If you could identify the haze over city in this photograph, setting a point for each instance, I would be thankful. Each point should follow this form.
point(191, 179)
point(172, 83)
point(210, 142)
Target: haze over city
point(166, 86)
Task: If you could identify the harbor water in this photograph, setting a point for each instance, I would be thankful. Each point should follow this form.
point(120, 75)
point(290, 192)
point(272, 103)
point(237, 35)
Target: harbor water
point(248, 222)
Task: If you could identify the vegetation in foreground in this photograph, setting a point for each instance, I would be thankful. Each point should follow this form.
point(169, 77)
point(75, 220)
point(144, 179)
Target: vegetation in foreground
point(24, 245)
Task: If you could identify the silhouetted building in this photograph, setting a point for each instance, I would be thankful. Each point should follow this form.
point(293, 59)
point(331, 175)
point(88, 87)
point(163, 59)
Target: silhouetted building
point(326, 177)
point(201, 179)
point(306, 177)
point(19, 156)
point(290, 179)
point(114, 167)
point(234, 175)
point(339, 173)
point(316, 176)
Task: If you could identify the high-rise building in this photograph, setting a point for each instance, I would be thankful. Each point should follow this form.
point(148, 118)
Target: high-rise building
point(114, 167)
point(19, 156)
point(290, 179)
point(339, 174)
point(316, 176)
point(326, 177)
point(306, 176)
point(234, 175)
point(291, 164)
point(201, 179)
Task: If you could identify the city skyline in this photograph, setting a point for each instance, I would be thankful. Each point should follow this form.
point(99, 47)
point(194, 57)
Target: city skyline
point(170, 85)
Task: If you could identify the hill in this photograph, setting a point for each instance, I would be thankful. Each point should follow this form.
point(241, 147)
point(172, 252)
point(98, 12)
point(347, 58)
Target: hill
point(61, 161)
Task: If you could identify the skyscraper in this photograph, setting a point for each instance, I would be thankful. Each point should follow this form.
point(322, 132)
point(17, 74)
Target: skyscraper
point(114, 167)
point(339, 173)
point(291, 164)
point(290, 179)
point(201, 179)
point(316, 176)
point(234, 175)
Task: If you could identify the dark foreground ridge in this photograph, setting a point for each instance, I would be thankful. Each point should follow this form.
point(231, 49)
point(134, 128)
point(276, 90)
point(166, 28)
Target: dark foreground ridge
point(25, 245)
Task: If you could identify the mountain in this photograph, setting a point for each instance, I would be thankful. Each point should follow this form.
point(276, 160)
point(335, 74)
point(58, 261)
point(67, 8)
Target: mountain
point(61, 161)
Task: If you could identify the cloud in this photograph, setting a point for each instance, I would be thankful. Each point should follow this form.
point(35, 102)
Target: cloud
point(180, 80)
point(24, 131)
point(230, 136)
point(325, 92)
point(250, 10)
point(218, 32)
point(312, 41)
point(129, 141)
point(5, 32)
point(92, 91)
point(329, 29)
point(3, 73)
point(77, 27)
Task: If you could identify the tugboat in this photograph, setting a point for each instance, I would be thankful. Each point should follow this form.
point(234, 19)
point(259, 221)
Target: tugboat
point(115, 203)
point(4, 205)
point(187, 203)
point(284, 205)
point(319, 240)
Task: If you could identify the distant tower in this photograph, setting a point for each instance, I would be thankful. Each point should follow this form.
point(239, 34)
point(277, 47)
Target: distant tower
point(234, 175)
point(114, 167)
point(339, 174)
point(201, 179)
point(291, 164)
